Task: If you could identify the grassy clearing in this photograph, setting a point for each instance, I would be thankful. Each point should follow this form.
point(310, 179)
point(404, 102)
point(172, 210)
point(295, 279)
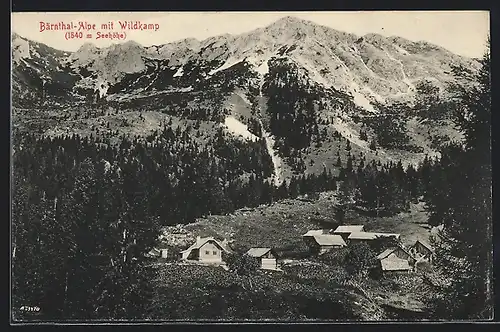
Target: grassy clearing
point(281, 224)
point(412, 225)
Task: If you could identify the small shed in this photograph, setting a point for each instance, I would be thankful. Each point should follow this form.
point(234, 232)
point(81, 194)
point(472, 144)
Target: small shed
point(206, 250)
point(346, 230)
point(162, 251)
point(266, 256)
point(153, 253)
point(397, 252)
point(321, 244)
point(422, 251)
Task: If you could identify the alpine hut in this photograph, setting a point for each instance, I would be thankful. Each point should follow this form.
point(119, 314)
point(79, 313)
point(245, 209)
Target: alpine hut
point(397, 252)
point(322, 243)
point(205, 250)
point(266, 257)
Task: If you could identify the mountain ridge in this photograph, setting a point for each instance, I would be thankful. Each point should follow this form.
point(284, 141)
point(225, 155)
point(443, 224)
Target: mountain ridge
point(286, 20)
point(370, 68)
point(292, 75)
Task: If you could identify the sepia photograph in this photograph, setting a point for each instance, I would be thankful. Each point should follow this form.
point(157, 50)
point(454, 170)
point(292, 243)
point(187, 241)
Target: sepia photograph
point(250, 167)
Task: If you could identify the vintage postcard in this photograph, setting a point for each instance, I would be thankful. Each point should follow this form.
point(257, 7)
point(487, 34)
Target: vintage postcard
point(251, 166)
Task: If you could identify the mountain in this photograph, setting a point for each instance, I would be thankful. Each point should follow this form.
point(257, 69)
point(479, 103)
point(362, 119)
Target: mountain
point(313, 93)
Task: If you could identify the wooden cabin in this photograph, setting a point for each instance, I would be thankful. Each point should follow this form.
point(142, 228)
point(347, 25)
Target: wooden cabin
point(205, 250)
point(266, 257)
point(422, 251)
point(320, 244)
point(397, 252)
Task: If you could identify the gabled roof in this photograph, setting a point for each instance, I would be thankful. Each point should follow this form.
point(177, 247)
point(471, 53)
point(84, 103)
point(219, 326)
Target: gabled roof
point(370, 236)
point(201, 241)
point(258, 252)
point(154, 251)
point(329, 240)
point(349, 228)
point(426, 245)
point(386, 253)
point(395, 264)
point(389, 251)
point(315, 232)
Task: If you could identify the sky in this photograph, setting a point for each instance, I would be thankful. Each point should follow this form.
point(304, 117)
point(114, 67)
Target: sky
point(461, 32)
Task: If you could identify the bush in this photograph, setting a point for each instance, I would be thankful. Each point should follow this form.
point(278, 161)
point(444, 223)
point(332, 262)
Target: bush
point(360, 258)
point(242, 264)
point(335, 257)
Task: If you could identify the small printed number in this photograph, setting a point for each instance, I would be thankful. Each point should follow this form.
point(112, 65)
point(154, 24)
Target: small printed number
point(29, 309)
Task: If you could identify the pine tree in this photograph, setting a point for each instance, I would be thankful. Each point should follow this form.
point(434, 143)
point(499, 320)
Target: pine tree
point(463, 252)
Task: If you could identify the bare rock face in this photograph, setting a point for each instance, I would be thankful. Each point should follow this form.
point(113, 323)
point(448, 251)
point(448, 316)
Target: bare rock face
point(370, 68)
point(339, 76)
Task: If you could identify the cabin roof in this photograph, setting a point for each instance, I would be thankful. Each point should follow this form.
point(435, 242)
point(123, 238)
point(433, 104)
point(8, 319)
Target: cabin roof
point(329, 240)
point(395, 264)
point(370, 236)
point(315, 232)
point(349, 228)
point(201, 241)
point(385, 253)
point(258, 252)
point(426, 245)
point(389, 251)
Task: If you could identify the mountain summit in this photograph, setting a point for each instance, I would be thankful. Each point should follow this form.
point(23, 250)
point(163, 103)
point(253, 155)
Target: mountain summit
point(292, 76)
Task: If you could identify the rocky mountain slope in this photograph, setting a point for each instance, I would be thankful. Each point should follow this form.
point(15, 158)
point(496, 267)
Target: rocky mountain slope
point(313, 93)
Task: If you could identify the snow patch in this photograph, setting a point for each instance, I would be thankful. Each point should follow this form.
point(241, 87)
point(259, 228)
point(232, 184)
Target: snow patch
point(361, 101)
point(263, 69)
point(226, 65)
point(179, 72)
point(277, 162)
point(239, 129)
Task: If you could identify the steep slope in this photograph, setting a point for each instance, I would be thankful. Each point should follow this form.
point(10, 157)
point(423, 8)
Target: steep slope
point(37, 71)
point(313, 94)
